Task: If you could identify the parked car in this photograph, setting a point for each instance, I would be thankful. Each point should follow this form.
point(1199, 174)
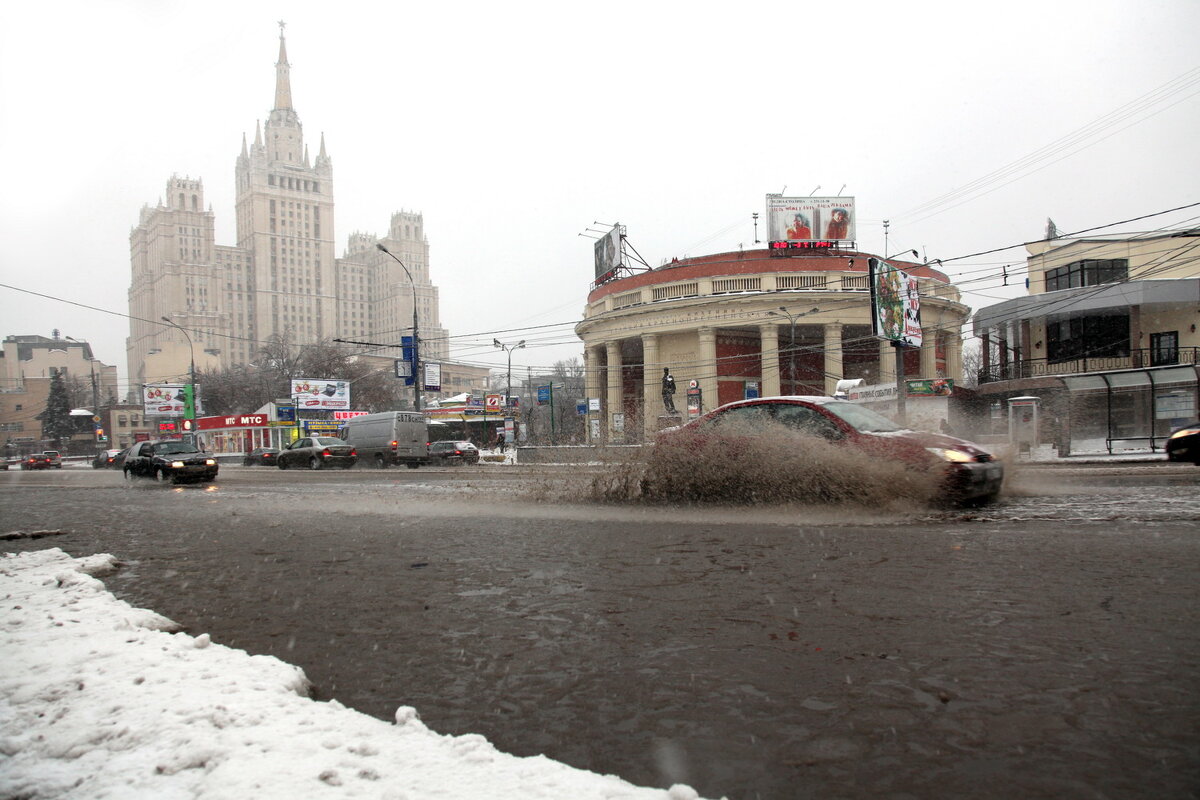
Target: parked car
point(106, 459)
point(454, 452)
point(261, 456)
point(317, 452)
point(169, 460)
point(1184, 443)
point(54, 458)
point(970, 474)
point(37, 461)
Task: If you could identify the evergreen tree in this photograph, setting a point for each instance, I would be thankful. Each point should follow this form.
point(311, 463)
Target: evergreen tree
point(56, 419)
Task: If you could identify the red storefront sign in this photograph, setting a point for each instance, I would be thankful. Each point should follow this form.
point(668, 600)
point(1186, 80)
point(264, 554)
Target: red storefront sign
point(234, 421)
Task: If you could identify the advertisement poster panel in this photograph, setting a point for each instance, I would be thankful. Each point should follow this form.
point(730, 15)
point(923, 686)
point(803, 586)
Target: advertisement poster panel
point(810, 218)
point(163, 399)
point(321, 394)
point(895, 304)
point(607, 251)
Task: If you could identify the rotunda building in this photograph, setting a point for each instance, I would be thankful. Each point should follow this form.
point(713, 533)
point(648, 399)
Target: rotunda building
point(749, 323)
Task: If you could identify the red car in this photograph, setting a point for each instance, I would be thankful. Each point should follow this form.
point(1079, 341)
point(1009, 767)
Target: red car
point(39, 461)
point(966, 473)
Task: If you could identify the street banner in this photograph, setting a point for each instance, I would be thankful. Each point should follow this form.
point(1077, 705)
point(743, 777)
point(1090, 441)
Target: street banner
point(895, 304)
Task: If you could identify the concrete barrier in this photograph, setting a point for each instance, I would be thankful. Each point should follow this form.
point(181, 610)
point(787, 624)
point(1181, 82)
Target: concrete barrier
point(574, 454)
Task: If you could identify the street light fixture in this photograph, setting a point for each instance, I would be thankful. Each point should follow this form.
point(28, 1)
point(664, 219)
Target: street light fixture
point(417, 380)
point(191, 367)
point(508, 348)
point(792, 340)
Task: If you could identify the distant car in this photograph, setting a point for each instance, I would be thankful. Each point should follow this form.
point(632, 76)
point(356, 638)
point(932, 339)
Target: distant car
point(106, 459)
point(968, 473)
point(1184, 443)
point(454, 453)
point(37, 461)
point(261, 456)
point(54, 457)
point(169, 460)
point(317, 452)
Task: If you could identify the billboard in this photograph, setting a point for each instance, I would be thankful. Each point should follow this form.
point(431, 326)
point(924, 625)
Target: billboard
point(895, 304)
point(607, 251)
point(164, 399)
point(320, 394)
point(805, 219)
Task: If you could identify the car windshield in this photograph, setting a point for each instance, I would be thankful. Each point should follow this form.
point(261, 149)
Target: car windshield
point(860, 418)
point(173, 448)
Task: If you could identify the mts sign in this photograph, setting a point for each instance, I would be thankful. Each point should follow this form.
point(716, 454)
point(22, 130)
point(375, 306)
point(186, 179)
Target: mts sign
point(234, 421)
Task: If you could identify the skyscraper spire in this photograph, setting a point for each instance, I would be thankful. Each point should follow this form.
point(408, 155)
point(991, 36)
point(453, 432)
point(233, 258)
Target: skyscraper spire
point(283, 82)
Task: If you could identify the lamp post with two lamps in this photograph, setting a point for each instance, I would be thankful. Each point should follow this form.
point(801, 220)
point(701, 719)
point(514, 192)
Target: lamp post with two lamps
point(792, 339)
point(416, 361)
point(508, 348)
point(189, 410)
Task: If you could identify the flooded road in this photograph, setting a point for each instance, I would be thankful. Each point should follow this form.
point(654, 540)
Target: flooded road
point(1043, 647)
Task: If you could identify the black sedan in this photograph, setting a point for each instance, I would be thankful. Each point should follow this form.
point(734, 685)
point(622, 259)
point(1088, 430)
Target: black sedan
point(261, 456)
point(454, 452)
point(106, 459)
point(317, 452)
point(169, 460)
point(1184, 443)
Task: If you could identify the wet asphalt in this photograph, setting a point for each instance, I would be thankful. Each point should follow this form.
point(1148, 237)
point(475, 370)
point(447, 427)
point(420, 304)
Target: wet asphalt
point(1045, 647)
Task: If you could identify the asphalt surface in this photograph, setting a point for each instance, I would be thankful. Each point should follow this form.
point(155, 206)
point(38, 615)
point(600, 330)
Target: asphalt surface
point(1044, 647)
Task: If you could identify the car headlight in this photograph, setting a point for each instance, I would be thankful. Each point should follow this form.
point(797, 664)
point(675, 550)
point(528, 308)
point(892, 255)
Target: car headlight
point(947, 454)
point(210, 462)
point(176, 465)
point(1184, 432)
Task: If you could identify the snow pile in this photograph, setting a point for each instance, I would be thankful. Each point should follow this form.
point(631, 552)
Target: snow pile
point(100, 699)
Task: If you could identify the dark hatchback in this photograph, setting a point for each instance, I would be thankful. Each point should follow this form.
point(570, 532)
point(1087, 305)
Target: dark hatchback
point(317, 452)
point(169, 460)
point(37, 461)
point(454, 453)
point(969, 474)
point(261, 457)
point(1184, 443)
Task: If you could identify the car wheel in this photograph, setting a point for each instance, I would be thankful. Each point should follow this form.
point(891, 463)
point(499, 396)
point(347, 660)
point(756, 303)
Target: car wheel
point(127, 474)
point(380, 462)
point(314, 463)
point(161, 476)
point(412, 465)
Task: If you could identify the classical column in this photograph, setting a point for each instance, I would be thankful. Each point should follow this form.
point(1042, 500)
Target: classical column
point(651, 384)
point(613, 405)
point(929, 354)
point(591, 381)
point(954, 365)
point(769, 356)
point(706, 370)
point(834, 369)
point(887, 362)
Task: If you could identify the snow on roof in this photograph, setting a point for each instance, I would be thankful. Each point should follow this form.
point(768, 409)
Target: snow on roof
point(103, 700)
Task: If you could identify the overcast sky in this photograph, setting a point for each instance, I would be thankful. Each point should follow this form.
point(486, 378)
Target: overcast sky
point(515, 127)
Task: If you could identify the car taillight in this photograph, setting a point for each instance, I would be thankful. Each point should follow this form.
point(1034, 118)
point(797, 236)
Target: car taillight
point(353, 452)
point(458, 452)
point(395, 445)
point(325, 453)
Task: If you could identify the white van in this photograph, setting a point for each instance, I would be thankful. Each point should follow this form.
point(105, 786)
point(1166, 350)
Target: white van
point(389, 437)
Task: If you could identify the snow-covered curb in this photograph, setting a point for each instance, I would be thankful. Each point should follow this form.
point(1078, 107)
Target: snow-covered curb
point(100, 699)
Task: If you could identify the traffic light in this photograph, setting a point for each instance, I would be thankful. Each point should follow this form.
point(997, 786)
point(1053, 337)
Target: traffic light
point(100, 435)
point(189, 402)
point(187, 425)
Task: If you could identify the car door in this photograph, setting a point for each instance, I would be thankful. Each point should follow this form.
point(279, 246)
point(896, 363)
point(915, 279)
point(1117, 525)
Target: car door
point(139, 458)
point(296, 453)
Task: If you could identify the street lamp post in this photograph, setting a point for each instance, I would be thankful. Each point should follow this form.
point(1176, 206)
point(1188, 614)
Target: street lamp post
point(792, 339)
point(191, 370)
point(416, 335)
point(508, 348)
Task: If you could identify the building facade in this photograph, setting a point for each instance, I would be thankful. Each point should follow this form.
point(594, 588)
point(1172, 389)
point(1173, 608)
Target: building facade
point(751, 322)
point(1106, 339)
point(194, 301)
point(27, 364)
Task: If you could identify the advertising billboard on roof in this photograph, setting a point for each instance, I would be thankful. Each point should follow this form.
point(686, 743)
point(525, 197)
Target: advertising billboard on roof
point(804, 219)
point(607, 251)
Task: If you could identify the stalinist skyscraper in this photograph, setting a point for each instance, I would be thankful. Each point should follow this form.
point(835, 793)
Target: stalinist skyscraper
point(281, 280)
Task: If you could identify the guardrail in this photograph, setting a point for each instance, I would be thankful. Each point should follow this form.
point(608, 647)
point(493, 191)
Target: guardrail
point(1042, 367)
